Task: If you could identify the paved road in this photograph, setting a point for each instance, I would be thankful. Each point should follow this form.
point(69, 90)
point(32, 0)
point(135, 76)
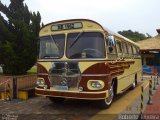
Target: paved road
point(40, 108)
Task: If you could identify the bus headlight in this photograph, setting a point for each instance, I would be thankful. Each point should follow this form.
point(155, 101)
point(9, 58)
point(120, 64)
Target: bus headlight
point(95, 84)
point(40, 82)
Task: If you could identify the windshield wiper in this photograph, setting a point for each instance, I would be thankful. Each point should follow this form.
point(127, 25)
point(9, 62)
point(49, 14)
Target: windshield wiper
point(54, 41)
point(76, 39)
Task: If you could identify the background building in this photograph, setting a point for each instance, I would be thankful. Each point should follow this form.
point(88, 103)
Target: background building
point(150, 49)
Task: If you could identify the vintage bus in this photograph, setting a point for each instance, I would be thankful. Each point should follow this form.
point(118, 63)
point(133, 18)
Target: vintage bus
point(80, 59)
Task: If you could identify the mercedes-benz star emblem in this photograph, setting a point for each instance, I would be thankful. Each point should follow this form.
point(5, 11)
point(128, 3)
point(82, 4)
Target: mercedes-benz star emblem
point(64, 82)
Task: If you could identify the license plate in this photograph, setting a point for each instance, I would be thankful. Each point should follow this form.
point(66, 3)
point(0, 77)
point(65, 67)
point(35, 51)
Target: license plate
point(61, 87)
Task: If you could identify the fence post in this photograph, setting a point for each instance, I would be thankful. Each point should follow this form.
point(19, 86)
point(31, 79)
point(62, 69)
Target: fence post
point(5, 90)
point(154, 88)
point(141, 107)
point(14, 88)
point(150, 92)
point(141, 99)
point(157, 79)
point(8, 97)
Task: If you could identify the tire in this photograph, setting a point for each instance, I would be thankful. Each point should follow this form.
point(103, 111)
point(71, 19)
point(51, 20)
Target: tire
point(56, 100)
point(134, 83)
point(106, 103)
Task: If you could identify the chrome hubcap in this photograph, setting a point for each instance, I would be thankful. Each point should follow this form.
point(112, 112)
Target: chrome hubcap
point(110, 96)
point(134, 84)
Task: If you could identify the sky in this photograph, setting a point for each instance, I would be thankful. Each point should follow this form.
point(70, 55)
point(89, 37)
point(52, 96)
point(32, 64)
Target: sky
point(117, 15)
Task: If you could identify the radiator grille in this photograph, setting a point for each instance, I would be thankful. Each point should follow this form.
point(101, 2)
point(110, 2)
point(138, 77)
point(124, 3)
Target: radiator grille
point(64, 74)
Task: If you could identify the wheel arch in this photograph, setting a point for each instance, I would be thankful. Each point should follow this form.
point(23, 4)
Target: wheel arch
point(136, 81)
point(115, 86)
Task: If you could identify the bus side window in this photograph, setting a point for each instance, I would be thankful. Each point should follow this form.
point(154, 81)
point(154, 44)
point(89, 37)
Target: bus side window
point(130, 50)
point(138, 52)
point(134, 51)
point(119, 48)
point(125, 49)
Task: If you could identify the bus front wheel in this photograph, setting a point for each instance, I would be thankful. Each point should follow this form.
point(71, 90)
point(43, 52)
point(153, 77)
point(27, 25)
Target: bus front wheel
point(134, 83)
point(105, 103)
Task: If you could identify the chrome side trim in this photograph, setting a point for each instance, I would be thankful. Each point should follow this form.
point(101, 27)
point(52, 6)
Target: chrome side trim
point(130, 74)
point(72, 91)
point(72, 97)
point(94, 75)
point(70, 60)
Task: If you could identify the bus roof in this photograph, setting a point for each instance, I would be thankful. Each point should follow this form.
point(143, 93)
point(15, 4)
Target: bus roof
point(105, 29)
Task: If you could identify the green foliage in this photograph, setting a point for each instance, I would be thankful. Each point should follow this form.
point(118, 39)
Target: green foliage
point(135, 36)
point(18, 37)
point(33, 70)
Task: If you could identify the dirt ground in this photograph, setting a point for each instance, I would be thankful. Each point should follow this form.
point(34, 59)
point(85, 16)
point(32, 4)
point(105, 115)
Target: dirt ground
point(41, 108)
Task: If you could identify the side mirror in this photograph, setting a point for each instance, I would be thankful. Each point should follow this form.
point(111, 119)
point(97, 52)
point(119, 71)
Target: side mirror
point(111, 43)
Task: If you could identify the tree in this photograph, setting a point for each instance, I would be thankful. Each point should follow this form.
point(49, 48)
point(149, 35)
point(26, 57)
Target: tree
point(135, 36)
point(18, 37)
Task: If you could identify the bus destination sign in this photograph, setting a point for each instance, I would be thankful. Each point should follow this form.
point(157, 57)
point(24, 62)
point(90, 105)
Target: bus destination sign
point(66, 26)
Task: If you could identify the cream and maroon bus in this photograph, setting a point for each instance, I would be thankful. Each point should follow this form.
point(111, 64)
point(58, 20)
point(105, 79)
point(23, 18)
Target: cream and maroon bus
point(80, 59)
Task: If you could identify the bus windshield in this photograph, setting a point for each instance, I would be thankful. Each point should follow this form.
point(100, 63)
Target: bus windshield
point(85, 45)
point(52, 46)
